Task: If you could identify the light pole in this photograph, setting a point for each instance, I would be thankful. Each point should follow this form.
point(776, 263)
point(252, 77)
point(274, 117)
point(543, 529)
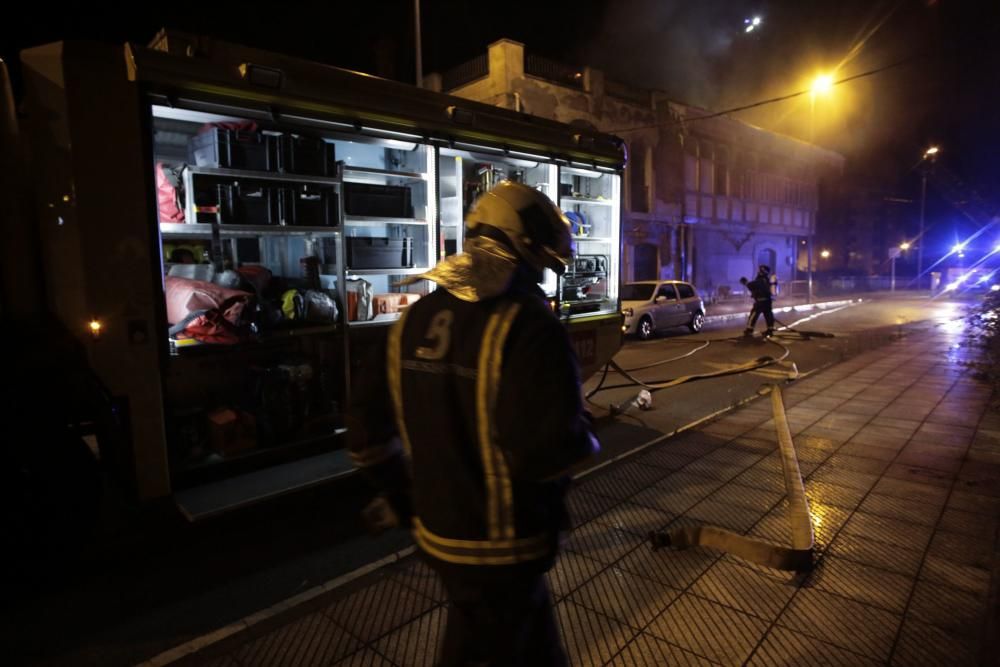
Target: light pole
point(809, 261)
point(930, 154)
point(416, 28)
point(821, 85)
point(894, 253)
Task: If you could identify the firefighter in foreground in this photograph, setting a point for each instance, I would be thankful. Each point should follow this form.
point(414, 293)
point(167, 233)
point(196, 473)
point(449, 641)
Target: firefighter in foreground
point(488, 413)
point(762, 290)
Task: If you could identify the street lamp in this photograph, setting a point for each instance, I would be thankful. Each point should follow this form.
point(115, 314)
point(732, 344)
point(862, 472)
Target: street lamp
point(822, 84)
point(893, 254)
point(825, 254)
point(929, 154)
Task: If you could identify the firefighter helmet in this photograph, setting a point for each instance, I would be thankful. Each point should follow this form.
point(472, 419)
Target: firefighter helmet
point(531, 224)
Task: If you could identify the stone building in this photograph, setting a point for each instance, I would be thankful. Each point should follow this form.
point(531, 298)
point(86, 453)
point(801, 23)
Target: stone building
point(707, 197)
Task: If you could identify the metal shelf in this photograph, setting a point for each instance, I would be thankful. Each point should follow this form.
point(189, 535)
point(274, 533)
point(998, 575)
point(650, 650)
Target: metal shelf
point(264, 175)
point(381, 320)
point(187, 347)
point(196, 229)
point(371, 171)
point(583, 200)
point(374, 221)
point(577, 171)
point(385, 272)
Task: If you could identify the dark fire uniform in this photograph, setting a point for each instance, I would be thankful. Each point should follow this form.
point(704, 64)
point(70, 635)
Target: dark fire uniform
point(760, 290)
point(489, 418)
point(488, 408)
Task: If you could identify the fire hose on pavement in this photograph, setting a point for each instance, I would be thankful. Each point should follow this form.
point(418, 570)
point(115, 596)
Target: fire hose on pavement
point(797, 557)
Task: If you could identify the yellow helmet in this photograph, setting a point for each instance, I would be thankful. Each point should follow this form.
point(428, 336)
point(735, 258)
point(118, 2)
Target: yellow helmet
point(533, 226)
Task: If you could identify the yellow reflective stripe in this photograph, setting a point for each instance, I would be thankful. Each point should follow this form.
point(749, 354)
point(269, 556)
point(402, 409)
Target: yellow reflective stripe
point(503, 473)
point(394, 353)
point(480, 552)
point(451, 542)
point(483, 414)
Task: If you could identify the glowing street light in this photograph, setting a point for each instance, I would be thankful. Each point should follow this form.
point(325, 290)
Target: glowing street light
point(958, 248)
point(751, 24)
point(822, 85)
point(825, 254)
point(905, 245)
point(929, 155)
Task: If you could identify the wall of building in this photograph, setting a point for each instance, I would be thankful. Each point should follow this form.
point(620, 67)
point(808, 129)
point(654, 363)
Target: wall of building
point(700, 196)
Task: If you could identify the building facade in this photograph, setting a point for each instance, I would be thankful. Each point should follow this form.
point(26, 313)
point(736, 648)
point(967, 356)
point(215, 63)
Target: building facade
point(707, 197)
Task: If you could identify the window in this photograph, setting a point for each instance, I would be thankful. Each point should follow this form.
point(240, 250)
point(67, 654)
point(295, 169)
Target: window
point(721, 172)
point(685, 290)
point(707, 171)
point(690, 172)
point(637, 292)
point(667, 291)
point(637, 166)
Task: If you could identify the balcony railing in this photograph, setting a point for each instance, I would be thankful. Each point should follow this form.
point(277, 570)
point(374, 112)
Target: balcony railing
point(465, 73)
point(543, 68)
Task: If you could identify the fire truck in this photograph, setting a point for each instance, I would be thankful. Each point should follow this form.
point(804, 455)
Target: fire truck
point(207, 244)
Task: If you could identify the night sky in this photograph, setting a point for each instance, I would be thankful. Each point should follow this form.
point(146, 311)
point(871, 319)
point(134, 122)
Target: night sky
point(944, 87)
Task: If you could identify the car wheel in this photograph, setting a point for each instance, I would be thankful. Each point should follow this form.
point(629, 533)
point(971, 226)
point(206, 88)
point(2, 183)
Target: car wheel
point(645, 328)
point(697, 321)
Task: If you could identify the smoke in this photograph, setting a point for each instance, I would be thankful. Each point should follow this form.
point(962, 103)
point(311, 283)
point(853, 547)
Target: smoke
point(699, 53)
point(672, 45)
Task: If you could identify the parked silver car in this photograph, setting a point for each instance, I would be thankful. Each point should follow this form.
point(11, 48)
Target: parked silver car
point(651, 306)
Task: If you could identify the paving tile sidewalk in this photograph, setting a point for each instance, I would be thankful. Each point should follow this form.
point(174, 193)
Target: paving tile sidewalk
point(902, 465)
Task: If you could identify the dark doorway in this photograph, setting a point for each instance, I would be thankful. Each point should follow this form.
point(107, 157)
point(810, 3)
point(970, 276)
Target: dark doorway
point(645, 262)
point(766, 256)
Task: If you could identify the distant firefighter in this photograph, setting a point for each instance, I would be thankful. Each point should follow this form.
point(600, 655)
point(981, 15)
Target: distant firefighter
point(762, 290)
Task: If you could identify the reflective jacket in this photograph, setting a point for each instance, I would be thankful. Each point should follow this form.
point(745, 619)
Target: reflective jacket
point(487, 404)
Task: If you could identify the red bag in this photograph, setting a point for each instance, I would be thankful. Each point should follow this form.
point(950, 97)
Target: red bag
point(207, 312)
point(168, 189)
point(258, 277)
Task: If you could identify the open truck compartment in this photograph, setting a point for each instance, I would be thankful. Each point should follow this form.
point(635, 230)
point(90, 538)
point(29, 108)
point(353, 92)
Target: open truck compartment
point(238, 227)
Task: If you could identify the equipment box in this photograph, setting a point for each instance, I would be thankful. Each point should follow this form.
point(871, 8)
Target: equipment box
point(379, 253)
point(213, 201)
point(308, 206)
point(384, 201)
point(252, 204)
point(302, 154)
point(234, 149)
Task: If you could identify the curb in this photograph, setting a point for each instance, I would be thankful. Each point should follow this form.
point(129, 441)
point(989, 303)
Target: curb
point(802, 307)
point(204, 641)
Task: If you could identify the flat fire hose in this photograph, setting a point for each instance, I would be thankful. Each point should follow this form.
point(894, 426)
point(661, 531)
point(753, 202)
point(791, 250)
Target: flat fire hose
point(799, 556)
